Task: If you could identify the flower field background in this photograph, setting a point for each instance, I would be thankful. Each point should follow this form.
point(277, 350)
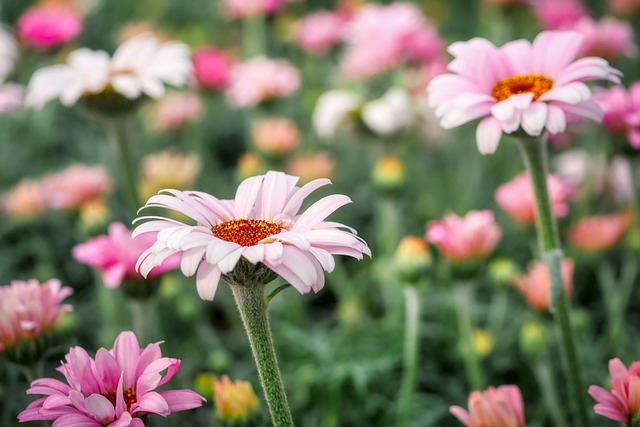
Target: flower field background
point(317, 89)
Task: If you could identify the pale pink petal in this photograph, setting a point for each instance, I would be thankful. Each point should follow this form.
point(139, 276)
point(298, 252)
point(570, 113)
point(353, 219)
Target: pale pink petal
point(319, 211)
point(534, 118)
point(208, 277)
point(488, 134)
point(556, 119)
point(182, 400)
point(75, 420)
point(126, 351)
point(153, 403)
point(100, 407)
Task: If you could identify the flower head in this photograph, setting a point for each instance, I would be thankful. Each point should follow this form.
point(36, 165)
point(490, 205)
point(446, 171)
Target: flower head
point(75, 185)
point(535, 286)
point(621, 403)
point(518, 201)
point(25, 199)
point(261, 79)
point(521, 85)
point(175, 110)
point(116, 388)
point(29, 309)
point(332, 109)
point(261, 225)
point(168, 169)
point(621, 109)
point(276, 136)
point(311, 166)
point(116, 253)
point(234, 400)
point(494, 407)
point(236, 9)
point(607, 38)
point(211, 68)
point(473, 236)
point(48, 26)
point(558, 14)
point(412, 258)
point(598, 232)
point(320, 31)
point(141, 66)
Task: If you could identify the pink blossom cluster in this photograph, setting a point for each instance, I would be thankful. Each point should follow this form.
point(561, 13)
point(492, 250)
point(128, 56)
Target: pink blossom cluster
point(116, 253)
point(380, 37)
point(28, 308)
point(48, 26)
point(238, 9)
point(318, 32)
point(621, 109)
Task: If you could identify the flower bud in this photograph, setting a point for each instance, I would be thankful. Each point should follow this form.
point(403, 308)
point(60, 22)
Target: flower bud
point(534, 339)
point(502, 271)
point(482, 343)
point(388, 174)
point(412, 259)
point(234, 401)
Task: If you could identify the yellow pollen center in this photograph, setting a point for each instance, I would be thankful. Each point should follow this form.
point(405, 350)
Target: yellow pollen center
point(515, 85)
point(129, 397)
point(245, 232)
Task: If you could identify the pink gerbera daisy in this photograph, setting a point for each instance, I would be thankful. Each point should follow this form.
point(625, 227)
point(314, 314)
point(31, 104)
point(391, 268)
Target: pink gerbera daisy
point(521, 85)
point(621, 403)
point(261, 225)
point(115, 389)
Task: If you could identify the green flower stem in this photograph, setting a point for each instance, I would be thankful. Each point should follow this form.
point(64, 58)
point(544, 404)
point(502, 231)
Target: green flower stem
point(118, 130)
point(462, 299)
point(254, 35)
point(543, 374)
point(534, 153)
point(411, 338)
point(141, 312)
point(251, 303)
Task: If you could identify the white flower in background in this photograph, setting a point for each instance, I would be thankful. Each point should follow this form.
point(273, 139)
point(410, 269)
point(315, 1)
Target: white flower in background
point(140, 66)
point(7, 53)
point(389, 113)
point(332, 108)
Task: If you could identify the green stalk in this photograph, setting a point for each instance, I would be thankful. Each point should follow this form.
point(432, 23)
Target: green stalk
point(411, 339)
point(462, 300)
point(544, 377)
point(120, 136)
point(534, 154)
point(251, 303)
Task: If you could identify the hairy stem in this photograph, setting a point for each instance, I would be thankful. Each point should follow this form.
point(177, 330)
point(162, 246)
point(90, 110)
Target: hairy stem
point(411, 339)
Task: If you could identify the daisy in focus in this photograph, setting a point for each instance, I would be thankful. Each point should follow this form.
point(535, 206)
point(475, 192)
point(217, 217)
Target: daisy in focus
point(522, 85)
point(261, 225)
point(116, 388)
point(141, 66)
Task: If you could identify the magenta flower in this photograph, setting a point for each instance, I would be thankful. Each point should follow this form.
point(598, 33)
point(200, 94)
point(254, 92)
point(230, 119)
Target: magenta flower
point(494, 407)
point(116, 389)
point(521, 85)
point(48, 26)
point(262, 225)
point(473, 236)
point(211, 68)
point(622, 403)
point(261, 79)
point(116, 253)
point(516, 197)
point(28, 309)
point(622, 111)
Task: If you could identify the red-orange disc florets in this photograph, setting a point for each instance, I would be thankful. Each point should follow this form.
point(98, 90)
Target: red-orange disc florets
point(129, 397)
point(515, 85)
point(245, 232)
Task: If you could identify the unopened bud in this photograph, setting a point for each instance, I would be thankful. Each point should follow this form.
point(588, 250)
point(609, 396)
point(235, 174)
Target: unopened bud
point(502, 271)
point(482, 343)
point(388, 174)
point(412, 259)
point(534, 339)
point(235, 401)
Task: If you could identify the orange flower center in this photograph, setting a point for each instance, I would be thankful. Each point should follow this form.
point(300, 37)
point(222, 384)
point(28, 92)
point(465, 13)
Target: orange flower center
point(515, 85)
point(129, 397)
point(245, 232)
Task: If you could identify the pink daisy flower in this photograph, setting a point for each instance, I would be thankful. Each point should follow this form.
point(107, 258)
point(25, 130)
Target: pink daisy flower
point(608, 38)
point(473, 236)
point(519, 86)
point(261, 225)
point(116, 253)
point(599, 232)
point(535, 285)
point(116, 389)
point(621, 403)
point(48, 26)
point(517, 199)
point(495, 407)
point(28, 309)
point(622, 111)
point(75, 185)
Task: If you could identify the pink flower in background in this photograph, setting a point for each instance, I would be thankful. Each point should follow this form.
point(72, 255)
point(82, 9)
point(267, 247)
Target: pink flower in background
point(494, 407)
point(399, 33)
point(116, 253)
point(621, 403)
point(175, 110)
point(75, 185)
point(535, 286)
point(506, 2)
point(311, 166)
point(46, 27)
point(516, 197)
point(319, 32)
point(24, 200)
point(261, 225)
point(622, 111)
point(558, 14)
point(521, 85)
point(116, 388)
point(28, 309)
point(237, 9)
point(624, 6)
point(261, 79)
point(473, 236)
point(598, 232)
point(211, 68)
point(276, 136)
point(607, 38)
